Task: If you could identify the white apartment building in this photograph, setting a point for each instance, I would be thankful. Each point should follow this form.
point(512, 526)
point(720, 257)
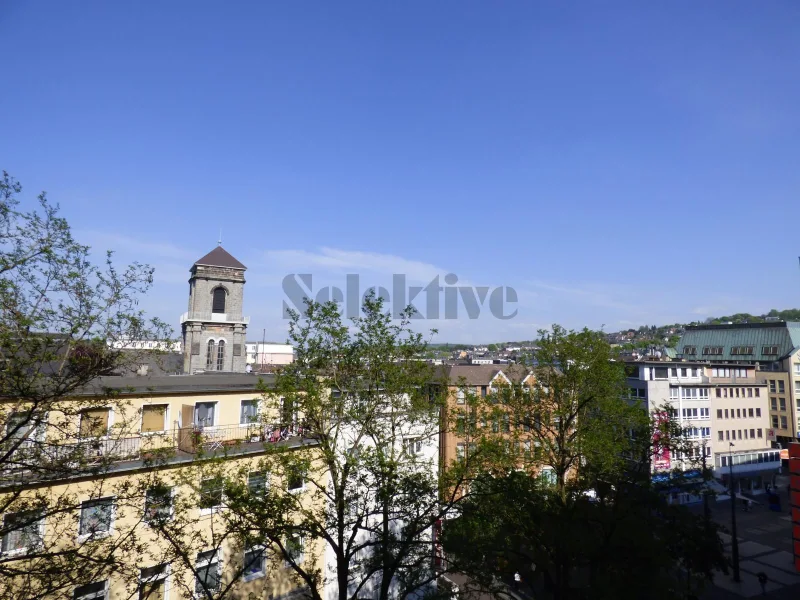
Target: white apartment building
point(261, 353)
point(725, 409)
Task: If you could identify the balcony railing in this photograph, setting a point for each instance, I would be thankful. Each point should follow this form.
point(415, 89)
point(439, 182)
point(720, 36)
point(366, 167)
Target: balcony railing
point(194, 315)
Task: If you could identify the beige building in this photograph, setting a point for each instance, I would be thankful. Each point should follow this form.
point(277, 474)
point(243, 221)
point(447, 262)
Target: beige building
point(193, 421)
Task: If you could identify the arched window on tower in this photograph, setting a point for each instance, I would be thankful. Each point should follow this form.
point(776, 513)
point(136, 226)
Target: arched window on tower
point(220, 355)
point(218, 303)
point(210, 356)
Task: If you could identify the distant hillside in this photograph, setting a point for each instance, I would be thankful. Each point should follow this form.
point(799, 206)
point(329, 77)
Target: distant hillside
point(791, 314)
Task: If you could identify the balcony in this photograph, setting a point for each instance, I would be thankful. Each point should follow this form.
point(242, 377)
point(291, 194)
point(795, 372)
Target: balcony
point(182, 444)
point(213, 317)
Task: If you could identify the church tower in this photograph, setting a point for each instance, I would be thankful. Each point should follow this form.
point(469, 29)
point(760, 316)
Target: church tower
point(214, 328)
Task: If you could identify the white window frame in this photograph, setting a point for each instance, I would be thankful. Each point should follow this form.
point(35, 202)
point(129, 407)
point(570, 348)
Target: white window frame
point(263, 571)
point(461, 396)
point(241, 405)
point(412, 446)
point(166, 419)
point(171, 505)
point(198, 564)
point(98, 535)
point(158, 577)
point(110, 422)
point(302, 550)
point(23, 549)
point(266, 480)
point(297, 490)
point(213, 509)
point(95, 595)
point(215, 422)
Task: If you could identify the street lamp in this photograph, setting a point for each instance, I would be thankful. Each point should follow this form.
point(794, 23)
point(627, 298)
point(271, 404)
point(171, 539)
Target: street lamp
point(735, 542)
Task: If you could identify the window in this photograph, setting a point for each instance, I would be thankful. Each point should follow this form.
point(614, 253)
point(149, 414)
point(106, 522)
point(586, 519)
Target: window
point(208, 572)
point(221, 355)
point(783, 422)
point(719, 393)
point(772, 383)
point(661, 373)
point(205, 414)
point(257, 483)
point(210, 495)
point(248, 412)
point(461, 451)
point(673, 393)
point(19, 424)
point(759, 432)
point(781, 386)
point(782, 403)
point(726, 413)
point(704, 413)
point(153, 584)
point(797, 368)
point(506, 424)
point(752, 434)
point(740, 434)
point(295, 549)
point(526, 448)
point(673, 372)
point(210, 356)
point(295, 483)
point(720, 372)
point(758, 392)
point(774, 403)
point(158, 504)
point(690, 350)
point(483, 391)
point(750, 412)
point(742, 350)
point(97, 517)
point(23, 531)
point(738, 413)
point(412, 446)
point(154, 417)
point(745, 434)
point(749, 392)
point(255, 563)
point(460, 396)
point(90, 591)
point(775, 421)
point(728, 435)
point(94, 422)
point(719, 413)
point(705, 432)
point(769, 350)
point(684, 372)
point(218, 302)
point(758, 412)
point(740, 373)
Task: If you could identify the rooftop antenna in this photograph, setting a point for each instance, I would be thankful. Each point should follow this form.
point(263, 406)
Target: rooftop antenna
point(219, 242)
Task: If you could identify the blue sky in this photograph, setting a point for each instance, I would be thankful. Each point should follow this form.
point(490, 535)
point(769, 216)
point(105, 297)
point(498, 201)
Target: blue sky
point(617, 164)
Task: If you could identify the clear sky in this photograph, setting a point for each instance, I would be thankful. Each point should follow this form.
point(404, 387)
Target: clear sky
point(617, 164)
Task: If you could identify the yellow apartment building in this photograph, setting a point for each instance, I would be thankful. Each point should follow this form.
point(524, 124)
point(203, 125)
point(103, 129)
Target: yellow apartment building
point(158, 438)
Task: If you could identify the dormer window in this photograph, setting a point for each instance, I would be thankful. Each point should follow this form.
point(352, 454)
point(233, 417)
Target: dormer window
point(690, 350)
point(218, 304)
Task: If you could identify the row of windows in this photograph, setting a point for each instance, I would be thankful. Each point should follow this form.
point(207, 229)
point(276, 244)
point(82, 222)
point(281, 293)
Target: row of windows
point(688, 393)
point(751, 458)
point(732, 434)
point(208, 566)
point(784, 424)
point(775, 402)
point(215, 357)
point(97, 516)
point(728, 372)
point(777, 386)
point(697, 432)
point(695, 413)
point(738, 413)
point(718, 350)
point(738, 392)
point(694, 452)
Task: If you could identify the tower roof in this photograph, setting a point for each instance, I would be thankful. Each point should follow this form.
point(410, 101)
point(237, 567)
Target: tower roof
point(219, 257)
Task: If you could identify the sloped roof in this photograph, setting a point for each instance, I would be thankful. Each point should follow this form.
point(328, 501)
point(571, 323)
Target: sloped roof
point(473, 374)
point(219, 257)
point(786, 336)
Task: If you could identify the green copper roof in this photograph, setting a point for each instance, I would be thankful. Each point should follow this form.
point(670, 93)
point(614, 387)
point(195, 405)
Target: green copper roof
point(786, 336)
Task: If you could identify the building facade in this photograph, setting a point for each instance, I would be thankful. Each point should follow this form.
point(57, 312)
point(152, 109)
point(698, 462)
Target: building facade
point(723, 408)
point(773, 348)
point(214, 329)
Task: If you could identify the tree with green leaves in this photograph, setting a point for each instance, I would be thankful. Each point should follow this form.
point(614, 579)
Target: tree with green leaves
point(361, 496)
point(63, 319)
point(599, 528)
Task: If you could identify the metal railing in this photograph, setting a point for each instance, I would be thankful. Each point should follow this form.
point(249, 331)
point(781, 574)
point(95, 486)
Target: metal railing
point(194, 315)
point(196, 438)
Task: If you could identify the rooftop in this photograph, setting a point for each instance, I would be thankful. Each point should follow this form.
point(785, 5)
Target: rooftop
point(219, 257)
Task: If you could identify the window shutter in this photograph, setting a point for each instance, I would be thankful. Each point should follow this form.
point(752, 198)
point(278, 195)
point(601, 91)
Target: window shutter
point(153, 417)
point(94, 422)
point(218, 305)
